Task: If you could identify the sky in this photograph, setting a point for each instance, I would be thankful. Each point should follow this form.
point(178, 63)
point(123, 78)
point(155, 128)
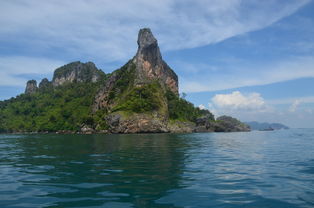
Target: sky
point(250, 59)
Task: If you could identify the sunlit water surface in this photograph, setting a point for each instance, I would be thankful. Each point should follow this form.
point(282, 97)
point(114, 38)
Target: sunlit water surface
point(255, 169)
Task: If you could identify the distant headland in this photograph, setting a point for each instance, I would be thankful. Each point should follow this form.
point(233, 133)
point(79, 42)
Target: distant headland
point(254, 125)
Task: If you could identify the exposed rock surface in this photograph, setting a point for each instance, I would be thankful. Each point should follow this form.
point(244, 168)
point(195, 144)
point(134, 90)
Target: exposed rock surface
point(31, 87)
point(149, 63)
point(205, 124)
point(229, 124)
point(76, 72)
point(139, 123)
point(45, 84)
point(145, 67)
point(87, 129)
point(70, 73)
point(181, 127)
point(140, 97)
point(102, 99)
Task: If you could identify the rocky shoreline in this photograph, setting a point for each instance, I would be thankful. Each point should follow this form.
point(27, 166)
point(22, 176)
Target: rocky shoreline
point(202, 125)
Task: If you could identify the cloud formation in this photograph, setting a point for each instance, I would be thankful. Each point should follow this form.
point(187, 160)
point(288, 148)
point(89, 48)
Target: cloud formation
point(13, 68)
point(107, 29)
point(294, 105)
point(237, 101)
point(253, 107)
point(248, 74)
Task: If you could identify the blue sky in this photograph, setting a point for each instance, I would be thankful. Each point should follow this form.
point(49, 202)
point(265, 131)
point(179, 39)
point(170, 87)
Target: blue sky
point(247, 58)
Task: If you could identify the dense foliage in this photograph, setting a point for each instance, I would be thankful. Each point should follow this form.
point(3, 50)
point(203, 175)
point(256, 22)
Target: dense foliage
point(125, 77)
point(69, 107)
point(181, 109)
point(141, 99)
point(61, 108)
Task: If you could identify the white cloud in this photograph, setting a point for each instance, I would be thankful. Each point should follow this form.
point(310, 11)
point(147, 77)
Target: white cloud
point(202, 107)
point(237, 101)
point(11, 69)
point(253, 107)
point(107, 29)
point(294, 105)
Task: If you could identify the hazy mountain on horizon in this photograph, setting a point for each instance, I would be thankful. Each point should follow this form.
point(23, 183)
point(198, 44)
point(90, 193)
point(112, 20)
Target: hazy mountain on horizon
point(254, 125)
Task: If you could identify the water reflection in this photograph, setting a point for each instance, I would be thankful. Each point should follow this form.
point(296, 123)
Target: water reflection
point(79, 170)
point(257, 169)
point(245, 170)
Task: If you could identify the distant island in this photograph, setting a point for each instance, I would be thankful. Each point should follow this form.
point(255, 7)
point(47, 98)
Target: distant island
point(140, 97)
point(254, 125)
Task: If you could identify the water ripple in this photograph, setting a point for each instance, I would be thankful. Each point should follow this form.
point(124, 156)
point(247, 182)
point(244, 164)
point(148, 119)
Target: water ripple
point(255, 169)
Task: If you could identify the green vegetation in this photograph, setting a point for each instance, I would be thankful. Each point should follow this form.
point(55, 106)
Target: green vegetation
point(182, 110)
point(83, 71)
point(69, 107)
point(125, 77)
point(141, 99)
point(61, 108)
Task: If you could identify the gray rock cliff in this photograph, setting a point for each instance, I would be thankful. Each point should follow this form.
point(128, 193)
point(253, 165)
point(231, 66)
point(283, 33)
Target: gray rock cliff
point(229, 124)
point(44, 83)
point(31, 87)
point(76, 72)
point(149, 63)
point(146, 66)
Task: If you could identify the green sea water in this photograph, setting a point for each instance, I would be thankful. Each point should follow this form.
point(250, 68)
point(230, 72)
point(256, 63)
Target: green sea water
point(249, 169)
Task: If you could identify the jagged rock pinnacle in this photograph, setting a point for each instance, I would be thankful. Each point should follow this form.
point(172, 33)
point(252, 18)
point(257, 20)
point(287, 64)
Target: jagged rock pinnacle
point(148, 49)
point(31, 87)
point(44, 83)
point(149, 62)
point(146, 66)
point(146, 38)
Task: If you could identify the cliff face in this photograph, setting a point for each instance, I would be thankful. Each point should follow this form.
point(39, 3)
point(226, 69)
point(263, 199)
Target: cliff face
point(139, 86)
point(146, 67)
point(149, 63)
point(31, 87)
point(76, 72)
point(44, 83)
point(140, 97)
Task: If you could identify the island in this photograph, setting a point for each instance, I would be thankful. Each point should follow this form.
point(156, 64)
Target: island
point(140, 97)
point(254, 125)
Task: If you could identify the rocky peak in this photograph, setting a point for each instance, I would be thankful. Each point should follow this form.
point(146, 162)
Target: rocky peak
point(76, 72)
point(147, 44)
point(146, 66)
point(31, 87)
point(44, 83)
point(149, 62)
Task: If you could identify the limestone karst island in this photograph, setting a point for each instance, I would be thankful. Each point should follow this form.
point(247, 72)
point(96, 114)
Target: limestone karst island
point(140, 97)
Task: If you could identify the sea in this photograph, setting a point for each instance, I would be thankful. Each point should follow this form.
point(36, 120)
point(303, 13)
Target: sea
point(258, 169)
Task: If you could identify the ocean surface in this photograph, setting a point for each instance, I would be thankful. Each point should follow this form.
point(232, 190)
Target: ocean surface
point(254, 169)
